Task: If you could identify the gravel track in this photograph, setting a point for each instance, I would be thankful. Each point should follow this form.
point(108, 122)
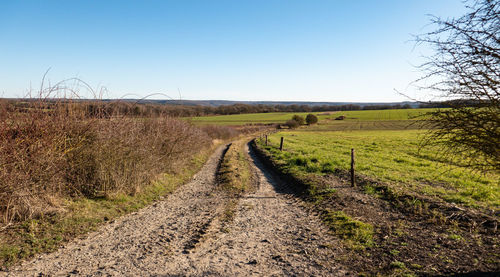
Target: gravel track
point(271, 235)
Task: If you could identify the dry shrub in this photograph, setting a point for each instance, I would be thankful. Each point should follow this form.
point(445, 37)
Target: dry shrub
point(255, 128)
point(292, 124)
point(52, 148)
point(34, 140)
point(220, 132)
point(134, 150)
point(229, 132)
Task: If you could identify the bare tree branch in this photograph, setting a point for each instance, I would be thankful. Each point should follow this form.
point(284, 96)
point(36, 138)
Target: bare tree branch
point(465, 69)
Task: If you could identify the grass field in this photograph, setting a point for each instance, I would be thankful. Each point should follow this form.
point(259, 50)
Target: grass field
point(386, 142)
point(398, 219)
point(391, 156)
point(344, 125)
point(242, 119)
point(324, 117)
point(400, 114)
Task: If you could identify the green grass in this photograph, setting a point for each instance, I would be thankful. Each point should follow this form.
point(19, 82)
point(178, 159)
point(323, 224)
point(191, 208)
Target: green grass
point(400, 114)
point(358, 233)
point(389, 156)
point(242, 119)
point(325, 118)
point(346, 125)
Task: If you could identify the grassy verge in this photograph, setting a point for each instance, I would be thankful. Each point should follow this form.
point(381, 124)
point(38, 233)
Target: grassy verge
point(234, 172)
point(234, 178)
point(359, 234)
point(80, 216)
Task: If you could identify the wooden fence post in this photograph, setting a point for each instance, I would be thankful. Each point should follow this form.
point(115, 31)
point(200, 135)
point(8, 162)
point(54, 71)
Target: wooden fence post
point(281, 144)
point(266, 140)
point(352, 168)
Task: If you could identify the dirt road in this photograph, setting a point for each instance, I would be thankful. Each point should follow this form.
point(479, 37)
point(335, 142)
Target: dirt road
point(271, 235)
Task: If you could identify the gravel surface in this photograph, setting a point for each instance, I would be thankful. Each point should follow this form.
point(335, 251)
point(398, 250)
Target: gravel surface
point(271, 235)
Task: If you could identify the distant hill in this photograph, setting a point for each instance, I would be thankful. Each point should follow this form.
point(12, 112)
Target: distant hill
point(217, 103)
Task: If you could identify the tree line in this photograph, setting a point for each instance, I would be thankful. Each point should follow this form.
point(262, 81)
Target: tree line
point(95, 108)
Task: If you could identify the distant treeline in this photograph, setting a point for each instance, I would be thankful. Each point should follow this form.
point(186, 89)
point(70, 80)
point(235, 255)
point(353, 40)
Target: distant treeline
point(97, 108)
point(456, 103)
point(149, 109)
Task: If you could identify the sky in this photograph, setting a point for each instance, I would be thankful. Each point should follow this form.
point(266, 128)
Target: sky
point(257, 50)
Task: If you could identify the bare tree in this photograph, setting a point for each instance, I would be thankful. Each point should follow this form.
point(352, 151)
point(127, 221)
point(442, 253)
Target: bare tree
point(465, 70)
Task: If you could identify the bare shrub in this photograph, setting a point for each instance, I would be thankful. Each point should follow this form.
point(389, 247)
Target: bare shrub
point(51, 146)
point(255, 128)
point(292, 124)
point(33, 146)
point(220, 132)
point(465, 69)
point(135, 150)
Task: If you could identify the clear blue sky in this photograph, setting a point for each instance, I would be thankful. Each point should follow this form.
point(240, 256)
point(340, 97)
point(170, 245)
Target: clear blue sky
point(233, 49)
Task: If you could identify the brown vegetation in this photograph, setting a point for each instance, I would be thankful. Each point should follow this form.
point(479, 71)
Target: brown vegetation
point(53, 149)
point(220, 132)
point(292, 124)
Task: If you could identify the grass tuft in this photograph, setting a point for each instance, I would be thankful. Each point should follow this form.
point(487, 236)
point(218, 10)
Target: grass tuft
point(354, 231)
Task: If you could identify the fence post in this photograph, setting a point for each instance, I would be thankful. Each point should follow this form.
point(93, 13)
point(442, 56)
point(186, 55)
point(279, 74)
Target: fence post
point(352, 168)
point(281, 144)
point(266, 140)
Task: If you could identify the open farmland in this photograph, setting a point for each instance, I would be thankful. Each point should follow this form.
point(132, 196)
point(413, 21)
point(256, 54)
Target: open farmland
point(387, 149)
point(243, 119)
point(324, 117)
point(412, 217)
point(396, 114)
point(250, 138)
point(389, 156)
